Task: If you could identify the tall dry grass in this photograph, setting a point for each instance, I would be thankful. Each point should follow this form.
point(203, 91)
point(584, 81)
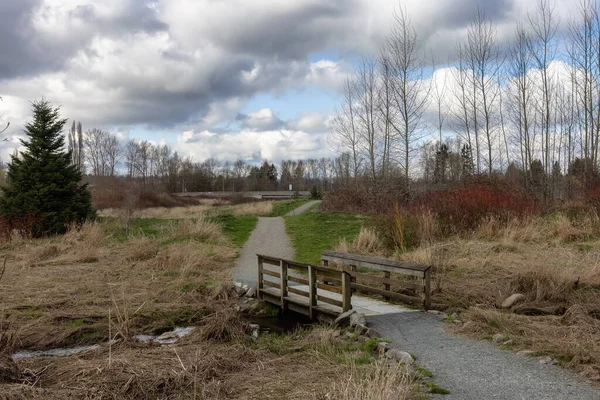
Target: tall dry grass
point(257, 208)
point(367, 242)
point(199, 229)
point(377, 382)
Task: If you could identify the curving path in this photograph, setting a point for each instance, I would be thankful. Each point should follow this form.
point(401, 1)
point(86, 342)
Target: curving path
point(269, 238)
point(469, 369)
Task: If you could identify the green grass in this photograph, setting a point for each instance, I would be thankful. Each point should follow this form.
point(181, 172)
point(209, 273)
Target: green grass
point(313, 233)
point(150, 227)
point(238, 229)
point(280, 208)
point(435, 389)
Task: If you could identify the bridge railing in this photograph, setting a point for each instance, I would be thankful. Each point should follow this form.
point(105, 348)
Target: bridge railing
point(317, 284)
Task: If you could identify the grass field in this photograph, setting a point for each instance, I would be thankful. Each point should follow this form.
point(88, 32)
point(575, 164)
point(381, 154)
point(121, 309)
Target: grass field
point(97, 283)
point(314, 232)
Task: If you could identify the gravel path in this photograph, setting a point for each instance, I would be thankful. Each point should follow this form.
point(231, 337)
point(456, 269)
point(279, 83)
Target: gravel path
point(477, 369)
point(269, 238)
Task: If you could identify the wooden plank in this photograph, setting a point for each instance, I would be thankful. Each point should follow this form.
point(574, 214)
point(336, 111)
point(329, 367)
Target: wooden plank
point(269, 260)
point(271, 284)
point(346, 292)
point(329, 300)
point(334, 282)
point(260, 275)
point(382, 264)
point(283, 280)
point(386, 285)
point(330, 288)
point(272, 273)
point(292, 289)
point(392, 295)
point(312, 290)
point(329, 275)
point(375, 280)
point(297, 279)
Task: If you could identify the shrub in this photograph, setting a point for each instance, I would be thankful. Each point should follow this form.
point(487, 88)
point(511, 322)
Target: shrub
point(463, 208)
point(315, 193)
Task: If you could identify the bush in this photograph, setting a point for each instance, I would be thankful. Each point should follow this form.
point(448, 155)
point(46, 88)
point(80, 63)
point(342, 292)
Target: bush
point(463, 208)
point(315, 193)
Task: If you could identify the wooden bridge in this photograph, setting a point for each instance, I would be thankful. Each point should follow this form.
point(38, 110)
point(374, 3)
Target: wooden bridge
point(323, 292)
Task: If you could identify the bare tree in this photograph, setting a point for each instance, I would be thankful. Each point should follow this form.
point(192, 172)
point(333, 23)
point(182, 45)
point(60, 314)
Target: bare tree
point(345, 128)
point(410, 90)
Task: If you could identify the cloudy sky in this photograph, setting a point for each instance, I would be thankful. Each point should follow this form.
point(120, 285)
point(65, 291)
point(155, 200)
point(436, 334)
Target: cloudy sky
point(212, 78)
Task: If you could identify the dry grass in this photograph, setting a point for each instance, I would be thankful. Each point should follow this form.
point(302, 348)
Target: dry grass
point(367, 242)
point(258, 208)
point(379, 382)
point(194, 211)
point(199, 229)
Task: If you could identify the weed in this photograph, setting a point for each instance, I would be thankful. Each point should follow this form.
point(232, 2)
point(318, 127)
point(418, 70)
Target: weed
point(435, 389)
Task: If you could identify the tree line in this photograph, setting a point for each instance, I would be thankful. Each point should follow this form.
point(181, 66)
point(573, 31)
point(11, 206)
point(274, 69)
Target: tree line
point(529, 109)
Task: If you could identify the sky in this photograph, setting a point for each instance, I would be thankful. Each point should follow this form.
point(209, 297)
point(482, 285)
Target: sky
point(227, 79)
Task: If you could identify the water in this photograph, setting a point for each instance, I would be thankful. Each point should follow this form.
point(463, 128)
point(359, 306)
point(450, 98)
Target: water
point(166, 338)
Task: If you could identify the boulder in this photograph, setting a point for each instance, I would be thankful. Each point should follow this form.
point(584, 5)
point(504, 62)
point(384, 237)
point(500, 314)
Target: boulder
point(383, 346)
point(373, 333)
point(512, 300)
point(358, 319)
point(344, 319)
point(361, 329)
point(399, 356)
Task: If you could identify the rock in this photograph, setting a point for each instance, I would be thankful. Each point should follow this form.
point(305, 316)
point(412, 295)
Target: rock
point(512, 300)
point(436, 312)
point(399, 356)
point(240, 289)
point(498, 337)
point(349, 336)
point(383, 346)
point(373, 333)
point(251, 292)
point(527, 353)
point(358, 319)
point(255, 328)
point(336, 334)
point(361, 329)
point(344, 319)
point(547, 360)
point(362, 338)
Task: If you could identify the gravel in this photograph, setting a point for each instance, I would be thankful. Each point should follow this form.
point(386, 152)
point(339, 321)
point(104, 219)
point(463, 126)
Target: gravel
point(477, 369)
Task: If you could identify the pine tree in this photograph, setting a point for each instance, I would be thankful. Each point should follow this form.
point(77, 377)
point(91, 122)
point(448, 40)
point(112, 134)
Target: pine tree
point(468, 166)
point(43, 184)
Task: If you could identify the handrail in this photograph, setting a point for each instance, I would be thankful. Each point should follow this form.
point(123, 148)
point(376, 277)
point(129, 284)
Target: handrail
point(316, 291)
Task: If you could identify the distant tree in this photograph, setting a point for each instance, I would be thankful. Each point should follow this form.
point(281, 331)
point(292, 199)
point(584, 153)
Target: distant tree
point(7, 124)
point(468, 166)
point(43, 184)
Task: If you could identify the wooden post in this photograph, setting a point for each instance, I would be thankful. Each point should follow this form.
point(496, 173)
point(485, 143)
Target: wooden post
point(386, 286)
point(353, 279)
point(312, 291)
point(260, 277)
point(325, 263)
point(346, 292)
point(283, 282)
point(427, 303)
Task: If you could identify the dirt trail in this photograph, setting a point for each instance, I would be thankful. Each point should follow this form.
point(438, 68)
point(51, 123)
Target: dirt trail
point(269, 238)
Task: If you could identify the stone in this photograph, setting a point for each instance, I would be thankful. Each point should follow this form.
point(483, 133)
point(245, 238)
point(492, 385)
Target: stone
point(498, 337)
point(383, 346)
point(349, 336)
point(251, 292)
point(436, 312)
point(336, 334)
point(344, 319)
point(358, 319)
point(240, 289)
point(373, 333)
point(399, 356)
point(512, 300)
point(255, 328)
point(167, 336)
point(362, 338)
point(547, 360)
point(360, 329)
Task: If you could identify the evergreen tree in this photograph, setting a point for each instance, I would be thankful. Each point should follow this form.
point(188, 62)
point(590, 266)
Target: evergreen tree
point(468, 165)
point(43, 184)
